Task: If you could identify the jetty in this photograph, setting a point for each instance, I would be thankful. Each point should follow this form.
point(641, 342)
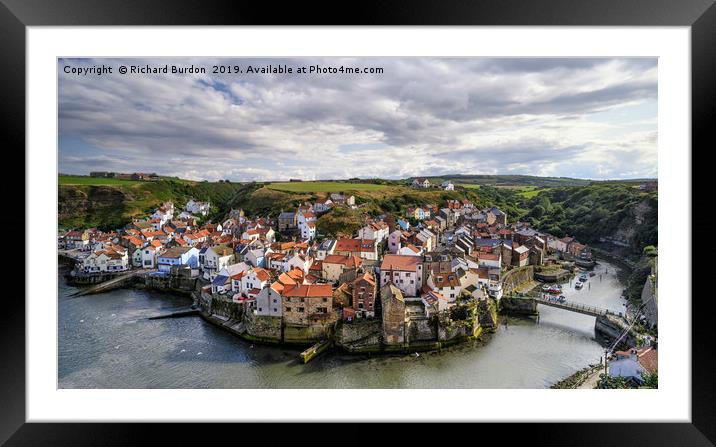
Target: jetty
point(114, 283)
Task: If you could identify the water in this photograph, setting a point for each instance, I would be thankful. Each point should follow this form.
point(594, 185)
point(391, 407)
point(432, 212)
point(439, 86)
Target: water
point(105, 341)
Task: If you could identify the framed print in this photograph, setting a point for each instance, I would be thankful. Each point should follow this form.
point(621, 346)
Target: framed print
point(455, 221)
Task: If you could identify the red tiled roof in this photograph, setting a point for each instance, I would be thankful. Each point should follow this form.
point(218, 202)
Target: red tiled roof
point(309, 291)
point(400, 262)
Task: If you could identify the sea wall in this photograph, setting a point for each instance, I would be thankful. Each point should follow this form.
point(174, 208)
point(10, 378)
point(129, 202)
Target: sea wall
point(170, 282)
point(421, 330)
point(263, 328)
point(519, 306)
point(358, 333)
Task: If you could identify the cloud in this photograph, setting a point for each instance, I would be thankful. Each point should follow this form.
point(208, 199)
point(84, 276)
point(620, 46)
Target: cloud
point(421, 116)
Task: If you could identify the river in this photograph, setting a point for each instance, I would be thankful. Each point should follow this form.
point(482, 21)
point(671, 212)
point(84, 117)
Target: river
point(106, 341)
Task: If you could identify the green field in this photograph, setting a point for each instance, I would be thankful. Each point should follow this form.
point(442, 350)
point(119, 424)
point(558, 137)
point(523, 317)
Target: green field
point(468, 185)
point(94, 181)
point(325, 186)
point(530, 192)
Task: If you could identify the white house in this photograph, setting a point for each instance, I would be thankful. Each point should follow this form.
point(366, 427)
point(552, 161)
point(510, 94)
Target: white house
point(108, 260)
point(445, 283)
point(376, 230)
point(253, 280)
point(216, 258)
point(326, 248)
point(447, 186)
point(308, 230)
point(149, 257)
point(195, 207)
point(297, 260)
point(178, 256)
point(268, 301)
point(322, 205)
point(394, 241)
point(406, 272)
point(421, 183)
point(410, 250)
point(490, 260)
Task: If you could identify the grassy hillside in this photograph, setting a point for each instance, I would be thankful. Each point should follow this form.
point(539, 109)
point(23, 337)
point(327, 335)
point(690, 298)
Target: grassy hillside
point(87, 203)
point(325, 186)
point(614, 210)
point(509, 180)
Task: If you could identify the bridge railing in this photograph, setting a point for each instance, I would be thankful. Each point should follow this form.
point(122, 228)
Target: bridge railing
point(574, 306)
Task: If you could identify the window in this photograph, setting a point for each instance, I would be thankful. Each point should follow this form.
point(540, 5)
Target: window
point(300, 309)
point(325, 300)
point(288, 309)
point(275, 310)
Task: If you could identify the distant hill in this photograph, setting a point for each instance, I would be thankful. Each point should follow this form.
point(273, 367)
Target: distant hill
point(507, 180)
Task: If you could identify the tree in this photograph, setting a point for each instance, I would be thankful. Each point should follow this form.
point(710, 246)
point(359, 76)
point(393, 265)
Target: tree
point(537, 211)
point(651, 380)
point(608, 382)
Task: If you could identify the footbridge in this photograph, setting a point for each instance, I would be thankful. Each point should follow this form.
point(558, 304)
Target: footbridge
point(575, 307)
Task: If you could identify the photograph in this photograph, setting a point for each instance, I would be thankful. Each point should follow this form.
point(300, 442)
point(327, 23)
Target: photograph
point(392, 222)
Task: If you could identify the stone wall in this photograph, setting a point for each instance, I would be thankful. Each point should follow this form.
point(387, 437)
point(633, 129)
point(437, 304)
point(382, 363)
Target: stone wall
point(488, 314)
point(304, 334)
point(421, 330)
point(519, 306)
point(263, 328)
point(363, 332)
point(515, 277)
point(611, 328)
point(173, 283)
point(225, 307)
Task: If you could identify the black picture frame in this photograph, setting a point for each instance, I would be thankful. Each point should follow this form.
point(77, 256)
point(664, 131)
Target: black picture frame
point(700, 15)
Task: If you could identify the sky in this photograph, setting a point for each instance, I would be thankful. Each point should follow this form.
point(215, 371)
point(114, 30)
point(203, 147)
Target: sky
point(593, 118)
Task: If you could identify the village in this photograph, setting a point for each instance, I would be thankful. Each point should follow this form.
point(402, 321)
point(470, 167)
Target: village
point(428, 278)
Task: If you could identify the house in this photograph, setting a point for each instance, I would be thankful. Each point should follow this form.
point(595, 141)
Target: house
point(363, 248)
point(325, 248)
point(196, 207)
point(322, 205)
point(434, 302)
point(221, 284)
point(422, 183)
point(375, 230)
point(393, 312)
point(334, 265)
point(137, 258)
point(109, 260)
point(490, 260)
point(520, 256)
point(340, 199)
point(410, 250)
point(149, 256)
point(216, 258)
point(405, 272)
point(253, 281)
point(634, 363)
point(256, 257)
point(269, 301)
point(76, 240)
point(308, 230)
point(446, 284)
point(395, 241)
point(307, 304)
point(364, 291)
point(296, 260)
point(447, 186)
point(287, 221)
point(178, 256)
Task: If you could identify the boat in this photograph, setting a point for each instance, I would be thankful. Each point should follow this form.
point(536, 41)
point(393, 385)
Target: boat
point(583, 278)
point(592, 274)
point(578, 285)
point(561, 299)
